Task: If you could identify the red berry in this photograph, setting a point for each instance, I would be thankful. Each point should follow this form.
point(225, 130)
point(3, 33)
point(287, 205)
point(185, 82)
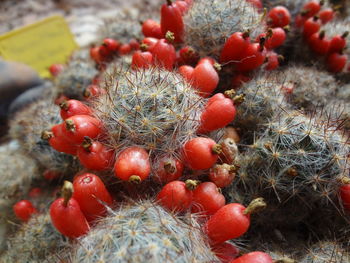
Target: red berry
point(256, 3)
point(134, 44)
point(201, 153)
point(338, 43)
point(273, 60)
point(319, 43)
point(311, 26)
point(132, 165)
point(92, 195)
point(75, 128)
point(186, 72)
point(231, 221)
point(111, 44)
point(148, 43)
point(66, 215)
point(279, 16)
point(24, 210)
point(336, 62)
point(175, 196)
point(345, 196)
point(164, 53)
point(226, 252)
point(300, 21)
point(58, 141)
point(95, 54)
point(182, 6)
point(188, 55)
point(168, 169)
point(93, 91)
point(151, 28)
point(254, 257)
point(278, 36)
point(217, 114)
point(326, 15)
point(234, 46)
point(51, 174)
point(94, 155)
point(73, 107)
point(205, 78)
point(222, 175)
point(141, 60)
point(56, 69)
point(171, 20)
point(252, 58)
point(311, 8)
point(124, 49)
point(207, 199)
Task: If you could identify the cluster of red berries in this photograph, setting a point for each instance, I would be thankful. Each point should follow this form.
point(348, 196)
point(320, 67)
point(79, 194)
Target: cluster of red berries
point(311, 19)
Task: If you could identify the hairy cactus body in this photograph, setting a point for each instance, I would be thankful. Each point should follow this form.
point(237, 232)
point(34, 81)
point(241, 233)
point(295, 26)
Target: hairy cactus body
point(143, 232)
point(326, 252)
point(209, 23)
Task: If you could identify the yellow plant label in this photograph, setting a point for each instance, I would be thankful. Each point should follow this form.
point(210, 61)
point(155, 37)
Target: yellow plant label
point(39, 45)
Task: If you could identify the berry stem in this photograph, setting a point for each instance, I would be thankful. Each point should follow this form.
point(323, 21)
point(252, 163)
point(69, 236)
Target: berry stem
point(64, 105)
point(191, 184)
point(46, 135)
point(67, 192)
point(169, 168)
point(217, 149)
point(256, 205)
point(135, 179)
point(70, 125)
point(169, 36)
point(169, 2)
point(345, 34)
point(87, 143)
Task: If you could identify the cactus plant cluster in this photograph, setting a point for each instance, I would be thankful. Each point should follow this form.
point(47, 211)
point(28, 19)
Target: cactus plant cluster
point(149, 126)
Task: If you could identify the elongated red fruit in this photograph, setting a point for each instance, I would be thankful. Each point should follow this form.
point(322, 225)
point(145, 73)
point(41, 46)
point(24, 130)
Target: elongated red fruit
point(92, 195)
point(164, 53)
point(132, 165)
point(58, 141)
point(66, 215)
point(171, 20)
point(234, 46)
point(73, 107)
point(254, 257)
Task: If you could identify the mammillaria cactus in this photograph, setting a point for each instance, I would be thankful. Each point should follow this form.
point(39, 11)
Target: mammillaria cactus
point(143, 232)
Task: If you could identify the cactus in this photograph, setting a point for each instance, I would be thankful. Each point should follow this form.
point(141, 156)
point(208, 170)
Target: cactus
point(311, 87)
point(298, 157)
point(143, 232)
point(326, 252)
point(153, 108)
point(36, 242)
point(73, 80)
point(27, 127)
point(209, 23)
point(263, 97)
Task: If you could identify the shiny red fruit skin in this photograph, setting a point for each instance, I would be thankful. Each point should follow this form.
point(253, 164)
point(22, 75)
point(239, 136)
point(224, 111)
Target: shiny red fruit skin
point(254, 257)
point(141, 60)
point(90, 192)
point(217, 114)
point(253, 57)
point(205, 79)
point(74, 107)
point(311, 8)
point(171, 20)
point(124, 49)
point(337, 44)
point(24, 209)
point(95, 54)
point(182, 6)
point(98, 157)
point(311, 26)
point(186, 72)
point(300, 21)
point(277, 39)
point(345, 196)
point(198, 153)
point(336, 62)
point(272, 60)
point(175, 196)
point(59, 141)
point(132, 161)
point(150, 42)
point(227, 223)
point(84, 125)
point(56, 69)
point(326, 15)
point(134, 44)
point(221, 176)
point(319, 45)
point(111, 44)
point(279, 16)
point(164, 176)
point(207, 199)
point(188, 55)
point(68, 220)
point(151, 28)
point(233, 48)
point(226, 252)
point(164, 54)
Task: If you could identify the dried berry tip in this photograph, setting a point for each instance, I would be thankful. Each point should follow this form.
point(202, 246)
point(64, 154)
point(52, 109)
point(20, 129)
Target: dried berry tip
point(67, 192)
point(64, 105)
point(86, 144)
point(70, 125)
point(256, 205)
point(217, 149)
point(192, 184)
point(135, 179)
point(169, 36)
point(46, 135)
